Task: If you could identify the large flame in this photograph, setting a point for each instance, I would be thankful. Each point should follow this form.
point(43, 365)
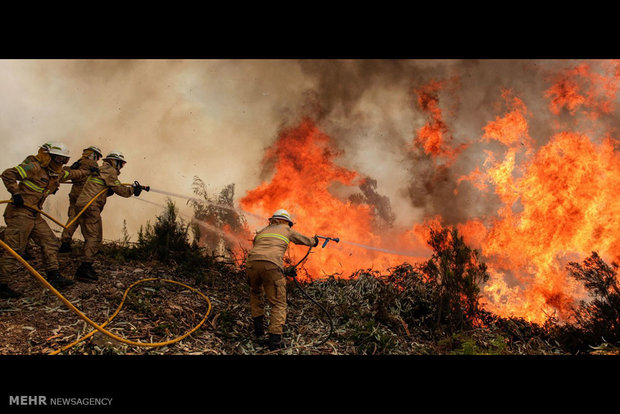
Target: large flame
point(568, 206)
point(559, 204)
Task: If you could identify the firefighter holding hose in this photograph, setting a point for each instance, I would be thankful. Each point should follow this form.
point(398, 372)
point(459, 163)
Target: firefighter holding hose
point(90, 221)
point(265, 268)
point(87, 163)
point(30, 183)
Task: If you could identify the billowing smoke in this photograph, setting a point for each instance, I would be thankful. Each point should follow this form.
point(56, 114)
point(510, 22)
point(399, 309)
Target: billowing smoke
point(176, 119)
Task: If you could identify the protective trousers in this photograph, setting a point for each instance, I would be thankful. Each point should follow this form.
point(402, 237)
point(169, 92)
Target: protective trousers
point(67, 233)
point(19, 228)
point(92, 231)
point(267, 279)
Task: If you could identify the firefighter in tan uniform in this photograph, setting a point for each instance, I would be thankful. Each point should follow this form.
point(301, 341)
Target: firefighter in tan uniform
point(265, 268)
point(90, 221)
point(87, 163)
point(31, 183)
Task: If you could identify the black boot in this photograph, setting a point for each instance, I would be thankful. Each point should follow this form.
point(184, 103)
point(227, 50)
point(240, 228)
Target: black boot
point(86, 273)
point(57, 280)
point(65, 247)
point(7, 293)
point(276, 342)
point(259, 327)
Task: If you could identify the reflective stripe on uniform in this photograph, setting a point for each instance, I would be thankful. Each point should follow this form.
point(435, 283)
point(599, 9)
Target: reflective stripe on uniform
point(33, 186)
point(21, 171)
point(66, 174)
point(96, 180)
point(273, 235)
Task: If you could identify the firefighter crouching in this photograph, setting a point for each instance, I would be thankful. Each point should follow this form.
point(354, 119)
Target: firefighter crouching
point(31, 182)
point(87, 163)
point(265, 268)
point(90, 221)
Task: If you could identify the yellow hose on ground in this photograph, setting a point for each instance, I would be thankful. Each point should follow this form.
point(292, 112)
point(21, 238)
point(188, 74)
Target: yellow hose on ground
point(85, 318)
point(118, 309)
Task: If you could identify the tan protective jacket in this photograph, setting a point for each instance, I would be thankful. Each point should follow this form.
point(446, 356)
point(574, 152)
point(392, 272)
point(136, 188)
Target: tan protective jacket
point(34, 183)
point(270, 243)
point(85, 164)
point(95, 183)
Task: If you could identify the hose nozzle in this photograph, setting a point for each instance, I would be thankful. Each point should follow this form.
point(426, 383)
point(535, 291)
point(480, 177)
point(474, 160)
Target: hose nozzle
point(143, 187)
point(327, 239)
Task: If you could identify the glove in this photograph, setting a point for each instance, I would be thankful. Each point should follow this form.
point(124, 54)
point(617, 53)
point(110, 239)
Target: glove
point(137, 189)
point(316, 241)
point(75, 165)
point(110, 192)
point(94, 170)
point(18, 200)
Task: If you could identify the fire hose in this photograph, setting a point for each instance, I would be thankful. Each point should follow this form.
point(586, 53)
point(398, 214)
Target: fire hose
point(80, 314)
point(291, 272)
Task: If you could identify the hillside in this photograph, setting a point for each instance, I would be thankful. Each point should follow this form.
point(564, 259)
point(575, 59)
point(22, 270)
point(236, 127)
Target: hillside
point(408, 310)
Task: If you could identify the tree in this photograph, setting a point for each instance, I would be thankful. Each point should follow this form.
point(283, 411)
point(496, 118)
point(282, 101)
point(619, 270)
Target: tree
point(598, 319)
point(167, 237)
point(457, 270)
point(216, 220)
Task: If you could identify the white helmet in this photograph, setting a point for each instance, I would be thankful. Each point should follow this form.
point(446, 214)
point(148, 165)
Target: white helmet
point(56, 148)
point(115, 155)
point(283, 215)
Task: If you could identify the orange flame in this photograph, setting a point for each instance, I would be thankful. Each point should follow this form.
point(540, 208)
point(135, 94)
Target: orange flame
point(434, 137)
point(582, 86)
point(512, 129)
point(568, 205)
point(304, 172)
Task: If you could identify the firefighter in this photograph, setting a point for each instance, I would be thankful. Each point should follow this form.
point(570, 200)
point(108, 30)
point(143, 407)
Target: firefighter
point(90, 221)
point(265, 272)
point(88, 163)
point(31, 182)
